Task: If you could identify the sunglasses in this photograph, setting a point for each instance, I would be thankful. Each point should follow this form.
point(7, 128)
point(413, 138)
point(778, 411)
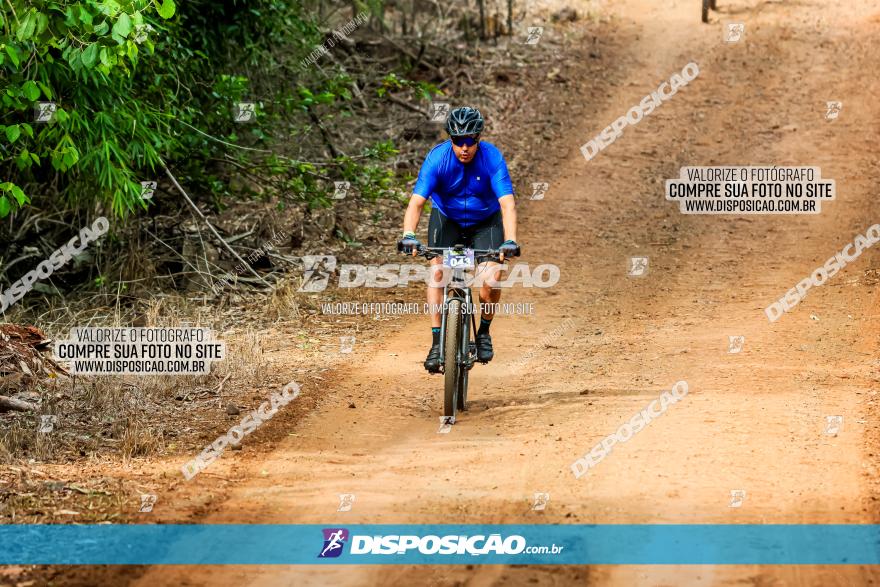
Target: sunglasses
point(469, 141)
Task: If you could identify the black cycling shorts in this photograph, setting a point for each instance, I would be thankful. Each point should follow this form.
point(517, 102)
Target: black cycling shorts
point(444, 232)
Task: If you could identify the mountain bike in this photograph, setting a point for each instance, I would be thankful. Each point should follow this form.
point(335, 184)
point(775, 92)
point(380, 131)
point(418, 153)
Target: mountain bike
point(707, 4)
point(458, 346)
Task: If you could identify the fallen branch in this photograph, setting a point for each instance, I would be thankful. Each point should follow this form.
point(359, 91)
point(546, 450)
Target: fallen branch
point(252, 280)
point(219, 388)
point(211, 226)
point(408, 106)
point(8, 404)
point(417, 59)
point(238, 237)
point(324, 134)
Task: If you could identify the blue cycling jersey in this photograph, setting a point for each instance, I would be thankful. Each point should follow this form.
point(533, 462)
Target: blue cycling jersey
point(464, 192)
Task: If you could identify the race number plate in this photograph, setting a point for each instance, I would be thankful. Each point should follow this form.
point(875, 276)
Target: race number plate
point(459, 259)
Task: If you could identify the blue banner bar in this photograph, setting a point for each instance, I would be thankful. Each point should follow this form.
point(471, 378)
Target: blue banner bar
point(211, 544)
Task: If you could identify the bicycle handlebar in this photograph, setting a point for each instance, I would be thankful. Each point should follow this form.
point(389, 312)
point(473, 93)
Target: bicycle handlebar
point(431, 252)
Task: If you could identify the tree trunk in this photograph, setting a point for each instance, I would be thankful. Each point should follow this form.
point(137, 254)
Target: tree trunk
point(482, 20)
point(509, 18)
point(382, 28)
point(8, 404)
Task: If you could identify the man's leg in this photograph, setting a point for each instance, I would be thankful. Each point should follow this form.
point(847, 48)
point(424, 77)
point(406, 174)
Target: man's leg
point(489, 295)
point(488, 235)
point(442, 232)
point(435, 298)
point(435, 292)
point(490, 275)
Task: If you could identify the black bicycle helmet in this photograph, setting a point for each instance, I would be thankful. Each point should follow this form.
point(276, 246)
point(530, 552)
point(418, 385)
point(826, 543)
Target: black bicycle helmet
point(464, 121)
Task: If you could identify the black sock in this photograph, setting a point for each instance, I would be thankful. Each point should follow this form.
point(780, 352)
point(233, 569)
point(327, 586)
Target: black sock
point(484, 326)
point(435, 333)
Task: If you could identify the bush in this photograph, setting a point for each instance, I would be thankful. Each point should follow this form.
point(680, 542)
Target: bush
point(137, 84)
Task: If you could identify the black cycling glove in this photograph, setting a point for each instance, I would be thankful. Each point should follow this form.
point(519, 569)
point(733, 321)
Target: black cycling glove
point(408, 243)
point(509, 248)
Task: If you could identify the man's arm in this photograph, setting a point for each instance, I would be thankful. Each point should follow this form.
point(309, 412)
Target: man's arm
point(410, 223)
point(501, 184)
point(425, 184)
point(508, 216)
point(413, 213)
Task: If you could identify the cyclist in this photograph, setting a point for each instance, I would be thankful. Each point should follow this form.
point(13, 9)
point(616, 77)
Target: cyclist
point(471, 204)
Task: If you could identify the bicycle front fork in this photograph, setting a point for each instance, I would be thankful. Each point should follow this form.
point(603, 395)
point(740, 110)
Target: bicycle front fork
point(467, 347)
point(469, 325)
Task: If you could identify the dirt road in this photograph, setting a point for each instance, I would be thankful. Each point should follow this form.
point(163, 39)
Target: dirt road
point(753, 421)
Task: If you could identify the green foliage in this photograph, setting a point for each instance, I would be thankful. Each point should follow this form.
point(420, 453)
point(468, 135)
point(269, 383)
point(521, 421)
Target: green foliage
point(80, 55)
point(141, 83)
point(372, 179)
point(419, 89)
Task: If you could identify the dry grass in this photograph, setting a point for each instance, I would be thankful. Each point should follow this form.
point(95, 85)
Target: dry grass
point(283, 303)
point(120, 420)
point(139, 439)
point(14, 440)
point(135, 415)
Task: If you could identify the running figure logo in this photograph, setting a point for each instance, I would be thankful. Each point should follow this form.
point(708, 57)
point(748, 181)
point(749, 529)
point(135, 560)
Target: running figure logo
point(341, 189)
point(535, 33)
point(734, 32)
point(539, 188)
point(244, 111)
point(44, 111)
point(148, 500)
point(317, 272)
point(346, 502)
point(637, 267)
point(541, 500)
point(833, 424)
point(737, 497)
point(833, 109)
point(346, 344)
point(439, 111)
point(735, 344)
point(334, 541)
point(148, 188)
point(446, 423)
point(47, 423)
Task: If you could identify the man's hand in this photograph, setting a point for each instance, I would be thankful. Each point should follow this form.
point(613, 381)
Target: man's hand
point(508, 248)
point(409, 243)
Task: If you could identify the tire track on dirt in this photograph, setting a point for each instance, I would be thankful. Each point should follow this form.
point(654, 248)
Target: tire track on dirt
point(751, 421)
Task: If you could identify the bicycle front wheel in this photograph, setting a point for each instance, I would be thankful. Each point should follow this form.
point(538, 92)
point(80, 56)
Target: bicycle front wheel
point(462, 390)
point(452, 369)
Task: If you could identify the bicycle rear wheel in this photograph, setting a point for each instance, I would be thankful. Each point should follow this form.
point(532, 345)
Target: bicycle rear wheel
point(452, 369)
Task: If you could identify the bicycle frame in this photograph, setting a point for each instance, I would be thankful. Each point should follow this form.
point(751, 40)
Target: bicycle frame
point(456, 289)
